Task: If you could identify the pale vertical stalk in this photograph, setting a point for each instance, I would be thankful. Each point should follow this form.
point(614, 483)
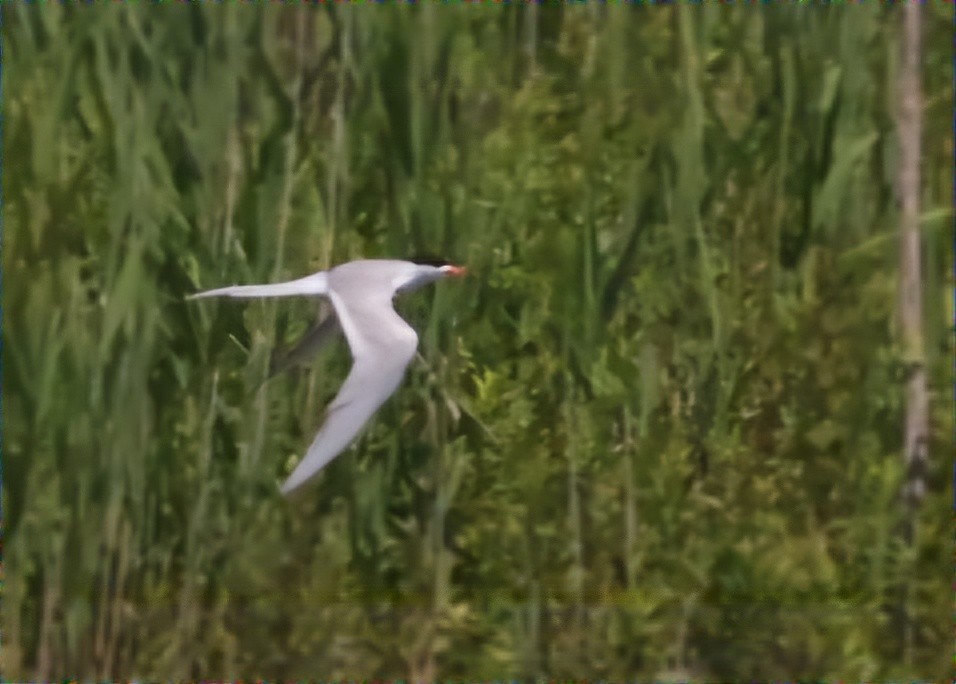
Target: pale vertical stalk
point(188, 621)
point(443, 495)
point(337, 181)
point(115, 539)
point(51, 599)
point(911, 295)
point(291, 145)
point(282, 224)
point(446, 480)
point(232, 181)
point(574, 508)
point(589, 239)
point(439, 579)
point(915, 426)
point(630, 502)
point(780, 200)
point(691, 181)
point(533, 648)
point(574, 519)
point(119, 584)
point(422, 63)
point(512, 42)
point(11, 655)
point(531, 36)
point(100, 645)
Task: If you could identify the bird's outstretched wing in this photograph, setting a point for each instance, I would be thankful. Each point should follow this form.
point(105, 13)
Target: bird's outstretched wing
point(307, 347)
point(382, 346)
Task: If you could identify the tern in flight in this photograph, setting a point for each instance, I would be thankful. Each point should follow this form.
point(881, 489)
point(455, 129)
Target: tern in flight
point(381, 342)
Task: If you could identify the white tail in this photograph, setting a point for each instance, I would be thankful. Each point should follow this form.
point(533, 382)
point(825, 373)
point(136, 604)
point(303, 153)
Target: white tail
point(315, 284)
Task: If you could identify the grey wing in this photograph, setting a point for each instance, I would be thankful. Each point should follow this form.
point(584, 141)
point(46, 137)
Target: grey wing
point(307, 347)
point(373, 379)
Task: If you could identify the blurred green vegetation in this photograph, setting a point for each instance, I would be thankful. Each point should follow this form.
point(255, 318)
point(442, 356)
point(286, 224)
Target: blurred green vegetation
point(655, 435)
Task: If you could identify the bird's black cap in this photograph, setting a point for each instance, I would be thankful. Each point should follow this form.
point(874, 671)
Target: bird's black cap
point(431, 260)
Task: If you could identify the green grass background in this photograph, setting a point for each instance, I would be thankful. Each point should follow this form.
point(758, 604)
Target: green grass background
point(655, 434)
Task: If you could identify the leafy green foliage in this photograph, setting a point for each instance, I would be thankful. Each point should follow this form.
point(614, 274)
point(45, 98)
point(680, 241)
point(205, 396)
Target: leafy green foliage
point(656, 435)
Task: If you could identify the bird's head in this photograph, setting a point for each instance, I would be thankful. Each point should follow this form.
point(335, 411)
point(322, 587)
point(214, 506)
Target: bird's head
point(423, 271)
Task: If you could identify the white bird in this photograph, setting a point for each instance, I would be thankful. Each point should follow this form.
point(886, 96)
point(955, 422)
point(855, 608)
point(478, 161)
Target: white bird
point(381, 342)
